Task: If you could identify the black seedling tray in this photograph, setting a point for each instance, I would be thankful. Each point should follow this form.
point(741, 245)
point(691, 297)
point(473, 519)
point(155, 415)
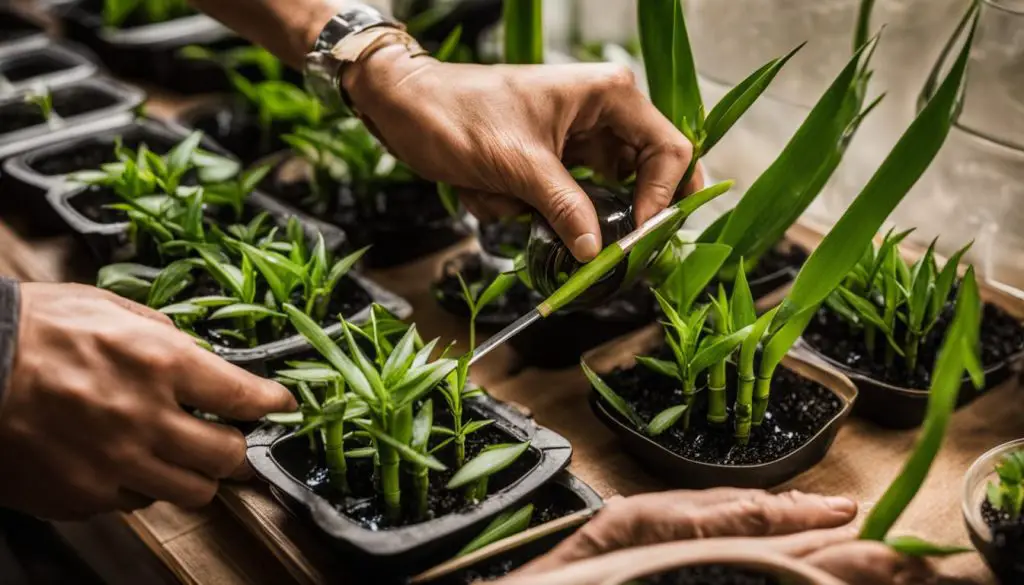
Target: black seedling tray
point(150, 52)
point(18, 31)
point(27, 66)
point(234, 125)
point(109, 241)
point(26, 177)
point(409, 549)
point(114, 103)
point(896, 407)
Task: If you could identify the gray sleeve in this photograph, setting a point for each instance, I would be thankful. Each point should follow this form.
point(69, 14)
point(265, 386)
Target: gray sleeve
point(10, 308)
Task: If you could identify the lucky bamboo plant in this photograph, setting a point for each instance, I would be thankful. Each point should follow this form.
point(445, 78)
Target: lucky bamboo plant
point(385, 398)
point(777, 330)
point(884, 295)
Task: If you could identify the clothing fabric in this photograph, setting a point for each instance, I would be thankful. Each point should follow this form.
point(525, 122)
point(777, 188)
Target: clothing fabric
point(10, 309)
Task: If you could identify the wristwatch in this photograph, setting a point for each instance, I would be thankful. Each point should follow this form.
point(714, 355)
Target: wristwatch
point(334, 50)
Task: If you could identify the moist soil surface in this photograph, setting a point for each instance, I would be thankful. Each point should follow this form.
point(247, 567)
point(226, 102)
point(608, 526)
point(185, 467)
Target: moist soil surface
point(366, 506)
point(349, 298)
point(91, 154)
point(1002, 336)
point(797, 410)
point(778, 260)
point(1007, 534)
point(77, 100)
point(16, 116)
point(710, 575)
point(32, 66)
point(235, 127)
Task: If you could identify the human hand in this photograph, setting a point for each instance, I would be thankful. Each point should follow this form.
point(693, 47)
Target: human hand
point(830, 556)
point(502, 135)
point(91, 421)
point(662, 517)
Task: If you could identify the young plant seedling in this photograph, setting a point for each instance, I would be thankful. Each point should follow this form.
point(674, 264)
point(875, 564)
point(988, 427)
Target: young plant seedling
point(42, 99)
point(477, 300)
point(118, 12)
point(1007, 495)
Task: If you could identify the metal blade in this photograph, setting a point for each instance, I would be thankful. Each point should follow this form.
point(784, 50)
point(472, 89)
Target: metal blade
point(504, 335)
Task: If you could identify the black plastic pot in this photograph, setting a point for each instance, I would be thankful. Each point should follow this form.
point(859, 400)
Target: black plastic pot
point(18, 31)
point(150, 52)
point(505, 556)
point(109, 241)
point(896, 407)
point(85, 105)
point(688, 473)
point(27, 177)
point(409, 549)
point(233, 125)
point(25, 67)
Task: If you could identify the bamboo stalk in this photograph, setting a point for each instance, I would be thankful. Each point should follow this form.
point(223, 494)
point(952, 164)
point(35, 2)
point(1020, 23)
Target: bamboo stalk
point(717, 414)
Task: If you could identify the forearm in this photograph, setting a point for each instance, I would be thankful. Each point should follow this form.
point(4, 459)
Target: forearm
point(286, 28)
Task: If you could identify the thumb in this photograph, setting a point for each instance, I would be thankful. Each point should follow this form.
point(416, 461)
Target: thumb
point(552, 191)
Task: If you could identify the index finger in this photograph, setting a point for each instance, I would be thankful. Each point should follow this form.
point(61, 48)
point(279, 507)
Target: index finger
point(663, 153)
point(211, 384)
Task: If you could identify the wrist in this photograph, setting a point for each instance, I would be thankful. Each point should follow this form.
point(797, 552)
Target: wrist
point(384, 57)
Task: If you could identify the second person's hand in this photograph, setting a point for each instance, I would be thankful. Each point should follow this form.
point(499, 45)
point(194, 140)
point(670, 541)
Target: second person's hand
point(503, 134)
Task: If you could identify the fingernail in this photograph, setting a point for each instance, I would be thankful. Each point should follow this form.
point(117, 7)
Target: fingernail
point(585, 248)
point(840, 504)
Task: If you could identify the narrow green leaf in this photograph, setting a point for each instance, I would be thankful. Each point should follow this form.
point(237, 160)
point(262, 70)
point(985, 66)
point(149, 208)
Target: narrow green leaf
point(420, 380)
point(323, 344)
point(404, 451)
point(611, 397)
point(913, 546)
point(665, 419)
point(665, 368)
point(524, 32)
point(183, 310)
point(498, 287)
point(718, 349)
point(401, 358)
point(286, 418)
point(450, 43)
point(487, 463)
point(244, 310)
point(505, 525)
point(310, 375)
point(422, 424)
point(742, 310)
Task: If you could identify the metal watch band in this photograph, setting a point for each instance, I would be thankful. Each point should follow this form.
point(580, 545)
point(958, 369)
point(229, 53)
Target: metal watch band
point(323, 69)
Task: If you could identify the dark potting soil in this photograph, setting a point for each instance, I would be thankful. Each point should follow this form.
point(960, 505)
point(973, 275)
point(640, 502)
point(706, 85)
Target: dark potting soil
point(34, 65)
point(13, 27)
point(366, 506)
point(236, 128)
point(1002, 336)
point(797, 410)
point(1007, 534)
point(710, 575)
point(88, 155)
point(16, 116)
point(778, 260)
point(349, 298)
point(93, 202)
point(77, 100)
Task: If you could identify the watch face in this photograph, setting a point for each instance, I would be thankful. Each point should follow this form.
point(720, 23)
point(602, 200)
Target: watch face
point(348, 22)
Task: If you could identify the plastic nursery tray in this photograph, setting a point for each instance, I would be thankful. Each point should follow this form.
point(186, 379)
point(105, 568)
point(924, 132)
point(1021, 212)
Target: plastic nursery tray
point(233, 125)
point(150, 52)
point(122, 100)
point(24, 67)
point(18, 31)
point(25, 178)
point(897, 407)
point(508, 554)
point(691, 474)
point(410, 549)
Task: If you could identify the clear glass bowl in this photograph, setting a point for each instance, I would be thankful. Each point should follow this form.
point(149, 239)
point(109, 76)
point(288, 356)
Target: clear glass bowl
point(978, 476)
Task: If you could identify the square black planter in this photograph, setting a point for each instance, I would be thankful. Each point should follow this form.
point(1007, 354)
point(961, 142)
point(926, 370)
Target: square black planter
point(23, 67)
point(25, 178)
point(18, 31)
point(409, 549)
point(85, 106)
point(150, 52)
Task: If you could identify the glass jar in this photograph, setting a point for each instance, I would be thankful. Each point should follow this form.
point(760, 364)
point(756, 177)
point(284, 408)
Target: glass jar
point(974, 189)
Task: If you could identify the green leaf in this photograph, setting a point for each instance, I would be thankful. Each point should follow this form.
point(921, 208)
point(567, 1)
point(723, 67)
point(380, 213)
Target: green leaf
point(127, 279)
point(183, 310)
point(310, 375)
point(487, 463)
point(840, 250)
point(524, 32)
point(229, 277)
point(665, 368)
point(244, 310)
point(913, 546)
point(738, 100)
point(961, 339)
point(422, 424)
point(401, 358)
point(307, 396)
point(171, 281)
point(179, 158)
point(718, 349)
point(671, 74)
point(944, 281)
point(404, 451)
point(742, 310)
point(212, 301)
point(450, 43)
point(610, 397)
point(665, 419)
point(364, 364)
point(498, 287)
point(282, 275)
point(286, 418)
point(697, 264)
point(505, 525)
point(342, 267)
point(418, 381)
point(475, 425)
point(323, 344)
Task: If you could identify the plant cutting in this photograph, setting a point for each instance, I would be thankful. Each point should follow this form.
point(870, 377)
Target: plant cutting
point(960, 353)
point(766, 342)
point(897, 313)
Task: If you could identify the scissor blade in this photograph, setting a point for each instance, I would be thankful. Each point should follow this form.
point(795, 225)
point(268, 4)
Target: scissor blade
point(504, 335)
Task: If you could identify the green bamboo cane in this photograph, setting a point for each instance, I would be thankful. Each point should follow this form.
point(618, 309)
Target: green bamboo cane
point(743, 409)
point(717, 414)
point(334, 440)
